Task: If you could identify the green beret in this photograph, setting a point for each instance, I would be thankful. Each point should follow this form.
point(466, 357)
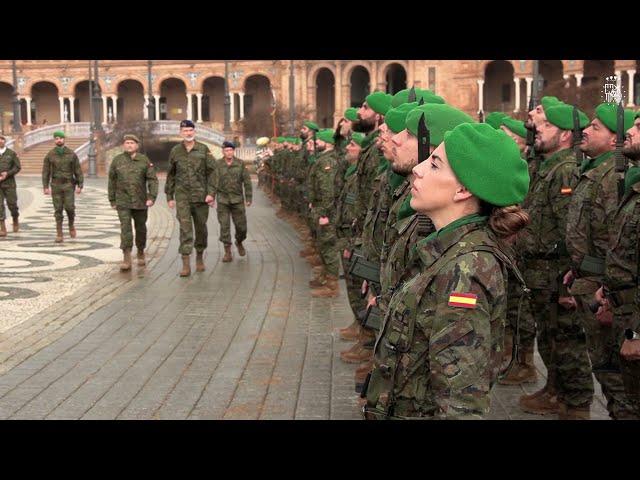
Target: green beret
point(439, 119)
point(312, 125)
point(426, 95)
point(358, 138)
point(495, 119)
point(280, 140)
point(607, 113)
point(487, 162)
point(561, 115)
point(379, 102)
point(396, 117)
point(351, 114)
point(516, 126)
point(58, 133)
point(326, 135)
point(131, 136)
point(549, 101)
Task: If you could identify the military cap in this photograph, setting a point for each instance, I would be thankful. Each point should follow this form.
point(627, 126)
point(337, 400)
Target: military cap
point(326, 135)
point(561, 115)
point(312, 125)
point(427, 96)
point(516, 126)
point(379, 102)
point(58, 133)
point(131, 136)
point(187, 124)
point(549, 101)
point(487, 162)
point(495, 118)
point(227, 144)
point(357, 138)
point(439, 119)
point(396, 117)
point(351, 114)
point(607, 113)
point(280, 140)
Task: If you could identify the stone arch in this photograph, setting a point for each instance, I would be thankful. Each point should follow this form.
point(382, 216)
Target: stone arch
point(45, 105)
point(499, 87)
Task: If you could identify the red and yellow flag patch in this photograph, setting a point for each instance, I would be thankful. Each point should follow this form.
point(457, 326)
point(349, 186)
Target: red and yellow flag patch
point(566, 191)
point(463, 300)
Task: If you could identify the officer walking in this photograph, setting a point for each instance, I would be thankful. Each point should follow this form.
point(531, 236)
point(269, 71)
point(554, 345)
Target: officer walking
point(9, 167)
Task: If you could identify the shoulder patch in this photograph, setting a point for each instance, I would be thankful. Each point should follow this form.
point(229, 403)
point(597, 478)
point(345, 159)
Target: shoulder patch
point(566, 190)
point(463, 300)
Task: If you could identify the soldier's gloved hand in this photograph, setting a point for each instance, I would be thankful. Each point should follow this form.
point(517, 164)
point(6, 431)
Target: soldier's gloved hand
point(149, 203)
point(209, 200)
point(171, 203)
point(323, 220)
point(47, 191)
point(630, 349)
point(78, 190)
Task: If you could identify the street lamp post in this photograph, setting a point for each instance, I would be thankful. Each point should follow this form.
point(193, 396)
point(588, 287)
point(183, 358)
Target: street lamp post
point(92, 127)
point(17, 121)
point(150, 105)
point(227, 100)
point(292, 99)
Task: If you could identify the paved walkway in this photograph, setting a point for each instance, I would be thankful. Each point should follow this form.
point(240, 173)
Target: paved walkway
point(243, 340)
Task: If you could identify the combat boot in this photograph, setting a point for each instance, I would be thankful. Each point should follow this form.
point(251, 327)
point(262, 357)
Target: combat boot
point(3, 229)
point(141, 260)
point(508, 350)
point(72, 229)
point(521, 372)
point(186, 267)
point(241, 251)
point(330, 288)
point(318, 280)
point(227, 253)
point(59, 238)
point(542, 402)
point(16, 225)
point(314, 260)
point(125, 266)
point(359, 354)
point(363, 370)
point(306, 251)
point(352, 332)
point(567, 412)
point(199, 262)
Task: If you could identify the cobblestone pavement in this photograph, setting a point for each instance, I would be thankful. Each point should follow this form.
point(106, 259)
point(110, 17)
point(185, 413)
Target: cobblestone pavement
point(242, 340)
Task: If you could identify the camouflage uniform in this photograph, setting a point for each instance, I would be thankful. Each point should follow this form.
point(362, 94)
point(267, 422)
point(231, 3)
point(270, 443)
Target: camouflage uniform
point(593, 204)
point(322, 201)
point(561, 339)
point(190, 178)
point(61, 169)
point(367, 170)
point(231, 180)
point(10, 163)
point(132, 181)
point(621, 285)
point(436, 357)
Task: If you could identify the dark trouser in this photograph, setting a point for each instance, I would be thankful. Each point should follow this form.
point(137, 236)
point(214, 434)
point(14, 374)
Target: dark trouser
point(63, 197)
point(192, 216)
point(139, 217)
point(10, 195)
point(237, 212)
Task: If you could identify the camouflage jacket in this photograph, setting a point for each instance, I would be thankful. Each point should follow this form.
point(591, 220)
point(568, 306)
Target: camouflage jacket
point(621, 264)
point(593, 204)
point(367, 171)
point(400, 259)
point(398, 196)
point(132, 181)
point(439, 351)
point(191, 175)
point(10, 163)
point(230, 181)
point(542, 242)
point(60, 169)
point(376, 219)
point(345, 206)
point(321, 185)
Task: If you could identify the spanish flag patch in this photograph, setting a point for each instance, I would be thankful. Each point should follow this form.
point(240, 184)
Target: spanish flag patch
point(566, 190)
point(463, 300)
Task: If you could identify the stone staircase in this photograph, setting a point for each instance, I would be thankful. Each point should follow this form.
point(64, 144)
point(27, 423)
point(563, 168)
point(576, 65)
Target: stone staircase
point(32, 157)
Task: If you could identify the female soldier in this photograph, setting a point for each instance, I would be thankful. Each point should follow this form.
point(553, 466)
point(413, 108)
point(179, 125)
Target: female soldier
point(439, 350)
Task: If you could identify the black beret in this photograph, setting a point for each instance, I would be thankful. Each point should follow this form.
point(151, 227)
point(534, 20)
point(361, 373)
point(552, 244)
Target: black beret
point(228, 145)
point(187, 124)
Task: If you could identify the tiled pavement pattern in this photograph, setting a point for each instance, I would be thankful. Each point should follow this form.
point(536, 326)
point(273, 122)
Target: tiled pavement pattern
point(243, 340)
